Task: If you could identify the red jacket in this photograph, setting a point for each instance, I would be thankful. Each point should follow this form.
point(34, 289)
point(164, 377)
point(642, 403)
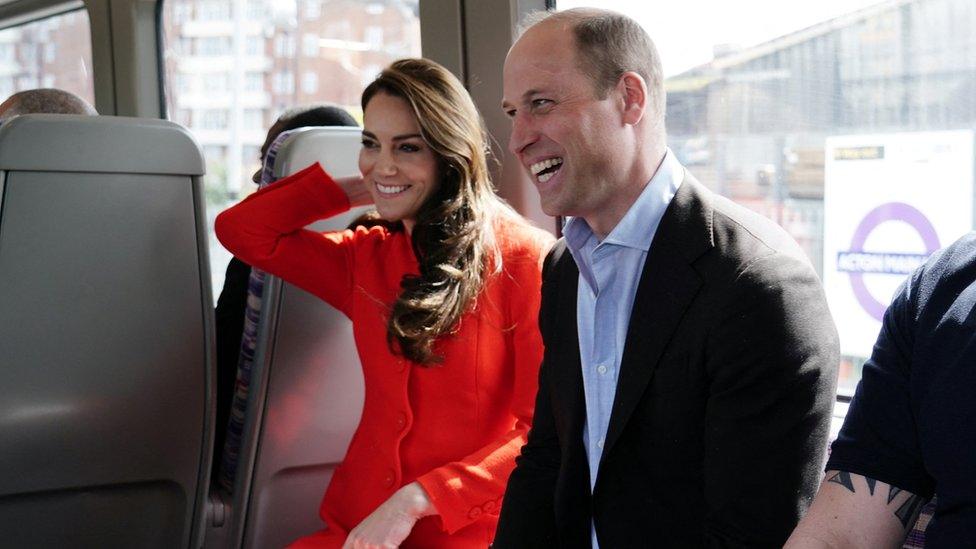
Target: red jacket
point(457, 427)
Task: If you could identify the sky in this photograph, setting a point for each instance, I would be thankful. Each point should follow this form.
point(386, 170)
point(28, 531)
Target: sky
point(686, 30)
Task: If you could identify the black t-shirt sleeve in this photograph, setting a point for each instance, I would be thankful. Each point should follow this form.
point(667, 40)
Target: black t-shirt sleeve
point(879, 438)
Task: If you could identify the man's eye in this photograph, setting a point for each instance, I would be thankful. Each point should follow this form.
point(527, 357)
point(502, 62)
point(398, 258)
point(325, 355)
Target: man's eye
point(541, 103)
point(510, 113)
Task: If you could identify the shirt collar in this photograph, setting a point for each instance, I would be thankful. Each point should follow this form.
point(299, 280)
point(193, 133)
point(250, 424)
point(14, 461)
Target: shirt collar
point(644, 214)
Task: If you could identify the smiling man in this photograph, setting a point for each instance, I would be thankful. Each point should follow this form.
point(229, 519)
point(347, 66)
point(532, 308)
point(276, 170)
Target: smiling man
point(690, 363)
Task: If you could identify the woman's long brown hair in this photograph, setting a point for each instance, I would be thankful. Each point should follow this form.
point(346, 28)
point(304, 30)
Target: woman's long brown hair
point(453, 238)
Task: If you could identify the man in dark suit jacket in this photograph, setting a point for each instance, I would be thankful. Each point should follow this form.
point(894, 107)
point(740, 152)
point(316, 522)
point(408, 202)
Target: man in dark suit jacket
point(690, 364)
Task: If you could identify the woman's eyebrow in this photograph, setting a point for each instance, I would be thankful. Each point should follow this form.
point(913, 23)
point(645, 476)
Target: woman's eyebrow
point(369, 134)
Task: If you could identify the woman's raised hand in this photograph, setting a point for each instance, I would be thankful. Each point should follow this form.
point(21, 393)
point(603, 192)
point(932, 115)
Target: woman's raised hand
point(355, 189)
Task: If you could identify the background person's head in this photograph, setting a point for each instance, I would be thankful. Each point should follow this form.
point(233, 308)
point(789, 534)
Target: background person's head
point(300, 117)
point(424, 162)
point(584, 89)
point(44, 101)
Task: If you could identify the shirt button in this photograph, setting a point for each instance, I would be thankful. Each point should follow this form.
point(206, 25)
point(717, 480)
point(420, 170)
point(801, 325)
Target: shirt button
point(600, 443)
point(474, 513)
point(401, 421)
point(400, 366)
point(389, 479)
point(602, 369)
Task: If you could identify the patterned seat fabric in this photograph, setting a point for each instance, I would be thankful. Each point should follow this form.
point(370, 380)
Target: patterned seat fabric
point(916, 536)
point(245, 363)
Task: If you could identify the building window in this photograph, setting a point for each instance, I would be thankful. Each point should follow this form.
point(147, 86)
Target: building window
point(213, 45)
point(283, 83)
point(312, 9)
point(254, 82)
point(212, 119)
point(310, 45)
point(284, 45)
point(255, 45)
point(256, 11)
point(253, 119)
point(310, 82)
point(214, 10)
point(216, 82)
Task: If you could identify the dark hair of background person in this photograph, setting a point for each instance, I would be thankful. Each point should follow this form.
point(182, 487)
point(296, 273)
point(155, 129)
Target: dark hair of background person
point(45, 101)
point(232, 303)
point(453, 238)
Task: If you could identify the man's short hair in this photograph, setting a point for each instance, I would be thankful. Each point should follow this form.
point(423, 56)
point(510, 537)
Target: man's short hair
point(45, 100)
point(608, 44)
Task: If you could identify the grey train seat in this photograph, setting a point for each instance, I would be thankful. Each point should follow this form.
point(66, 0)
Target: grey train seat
point(105, 313)
point(306, 389)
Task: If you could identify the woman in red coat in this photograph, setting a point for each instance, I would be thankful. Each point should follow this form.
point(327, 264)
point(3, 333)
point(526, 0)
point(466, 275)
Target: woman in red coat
point(443, 298)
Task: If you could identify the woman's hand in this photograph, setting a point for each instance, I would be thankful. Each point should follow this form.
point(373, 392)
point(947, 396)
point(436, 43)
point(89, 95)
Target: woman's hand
point(391, 523)
point(355, 189)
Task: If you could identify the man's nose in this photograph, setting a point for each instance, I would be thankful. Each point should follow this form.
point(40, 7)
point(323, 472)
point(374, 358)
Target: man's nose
point(523, 134)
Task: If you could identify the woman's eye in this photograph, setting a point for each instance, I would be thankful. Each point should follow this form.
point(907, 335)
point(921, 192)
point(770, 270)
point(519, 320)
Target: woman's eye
point(409, 147)
point(367, 144)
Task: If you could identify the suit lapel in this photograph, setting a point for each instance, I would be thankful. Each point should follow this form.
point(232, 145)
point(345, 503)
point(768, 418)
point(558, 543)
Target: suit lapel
point(568, 376)
point(667, 286)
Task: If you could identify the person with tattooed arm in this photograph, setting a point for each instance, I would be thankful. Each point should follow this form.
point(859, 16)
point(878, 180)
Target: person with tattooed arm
point(910, 432)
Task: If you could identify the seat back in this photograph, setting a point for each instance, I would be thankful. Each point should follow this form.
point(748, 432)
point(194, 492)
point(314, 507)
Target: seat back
point(306, 387)
point(106, 318)
point(916, 536)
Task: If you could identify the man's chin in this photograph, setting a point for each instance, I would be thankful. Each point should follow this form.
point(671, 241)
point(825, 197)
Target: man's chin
point(552, 206)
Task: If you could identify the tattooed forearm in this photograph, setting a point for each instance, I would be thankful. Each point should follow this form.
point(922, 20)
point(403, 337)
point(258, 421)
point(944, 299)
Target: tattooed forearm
point(844, 479)
point(892, 492)
point(907, 510)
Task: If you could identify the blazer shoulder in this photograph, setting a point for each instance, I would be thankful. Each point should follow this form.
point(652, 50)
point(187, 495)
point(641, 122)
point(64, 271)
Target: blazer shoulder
point(745, 236)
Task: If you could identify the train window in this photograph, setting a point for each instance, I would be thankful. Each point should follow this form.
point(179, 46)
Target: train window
point(848, 122)
point(54, 52)
point(232, 67)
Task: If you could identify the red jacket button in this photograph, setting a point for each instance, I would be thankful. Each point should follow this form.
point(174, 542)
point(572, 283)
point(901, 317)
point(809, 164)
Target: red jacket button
point(401, 421)
point(389, 479)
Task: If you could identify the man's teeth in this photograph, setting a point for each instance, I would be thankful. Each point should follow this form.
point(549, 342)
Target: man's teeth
point(387, 189)
point(545, 177)
point(545, 164)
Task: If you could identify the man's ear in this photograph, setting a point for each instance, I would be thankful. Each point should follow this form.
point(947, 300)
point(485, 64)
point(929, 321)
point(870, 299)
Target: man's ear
point(633, 92)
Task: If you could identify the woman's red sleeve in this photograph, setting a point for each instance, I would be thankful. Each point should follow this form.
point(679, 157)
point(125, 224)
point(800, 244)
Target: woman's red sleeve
point(267, 231)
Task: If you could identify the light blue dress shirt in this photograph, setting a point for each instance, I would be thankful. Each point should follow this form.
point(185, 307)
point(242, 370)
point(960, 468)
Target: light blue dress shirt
point(609, 271)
